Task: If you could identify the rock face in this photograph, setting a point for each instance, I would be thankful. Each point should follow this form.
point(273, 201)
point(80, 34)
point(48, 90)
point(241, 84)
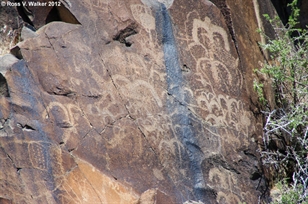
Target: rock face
point(9, 28)
point(137, 101)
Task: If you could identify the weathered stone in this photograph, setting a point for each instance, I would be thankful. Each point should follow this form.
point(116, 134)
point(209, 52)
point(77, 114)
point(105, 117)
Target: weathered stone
point(27, 33)
point(9, 28)
point(134, 102)
point(6, 61)
point(193, 202)
point(154, 196)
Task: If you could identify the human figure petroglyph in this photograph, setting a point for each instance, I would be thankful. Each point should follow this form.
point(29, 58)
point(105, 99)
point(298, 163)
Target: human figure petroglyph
point(210, 48)
point(218, 63)
point(216, 35)
point(217, 70)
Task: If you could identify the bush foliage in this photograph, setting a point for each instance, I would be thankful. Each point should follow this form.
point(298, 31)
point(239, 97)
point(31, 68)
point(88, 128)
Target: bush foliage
point(285, 139)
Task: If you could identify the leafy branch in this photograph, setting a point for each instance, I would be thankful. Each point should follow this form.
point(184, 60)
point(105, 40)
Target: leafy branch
point(285, 139)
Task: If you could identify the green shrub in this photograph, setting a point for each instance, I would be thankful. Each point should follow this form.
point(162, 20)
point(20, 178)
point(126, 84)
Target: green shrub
point(285, 142)
point(289, 194)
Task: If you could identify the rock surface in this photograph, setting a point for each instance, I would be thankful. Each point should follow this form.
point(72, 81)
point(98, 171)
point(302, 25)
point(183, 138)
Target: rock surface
point(10, 24)
point(134, 101)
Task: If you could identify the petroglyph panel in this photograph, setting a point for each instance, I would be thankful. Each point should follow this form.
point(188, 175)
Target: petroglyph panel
point(105, 109)
point(38, 155)
point(209, 47)
point(139, 83)
point(216, 81)
point(215, 77)
point(159, 134)
point(145, 111)
point(84, 77)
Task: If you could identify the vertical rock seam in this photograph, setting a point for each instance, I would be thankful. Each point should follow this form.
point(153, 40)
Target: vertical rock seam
point(176, 103)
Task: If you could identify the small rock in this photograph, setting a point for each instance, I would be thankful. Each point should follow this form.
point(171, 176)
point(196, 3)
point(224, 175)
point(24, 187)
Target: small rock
point(6, 61)
point(27, 33)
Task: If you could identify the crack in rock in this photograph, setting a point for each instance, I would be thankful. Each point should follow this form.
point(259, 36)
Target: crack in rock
point(122, 35)
point(25, 127)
